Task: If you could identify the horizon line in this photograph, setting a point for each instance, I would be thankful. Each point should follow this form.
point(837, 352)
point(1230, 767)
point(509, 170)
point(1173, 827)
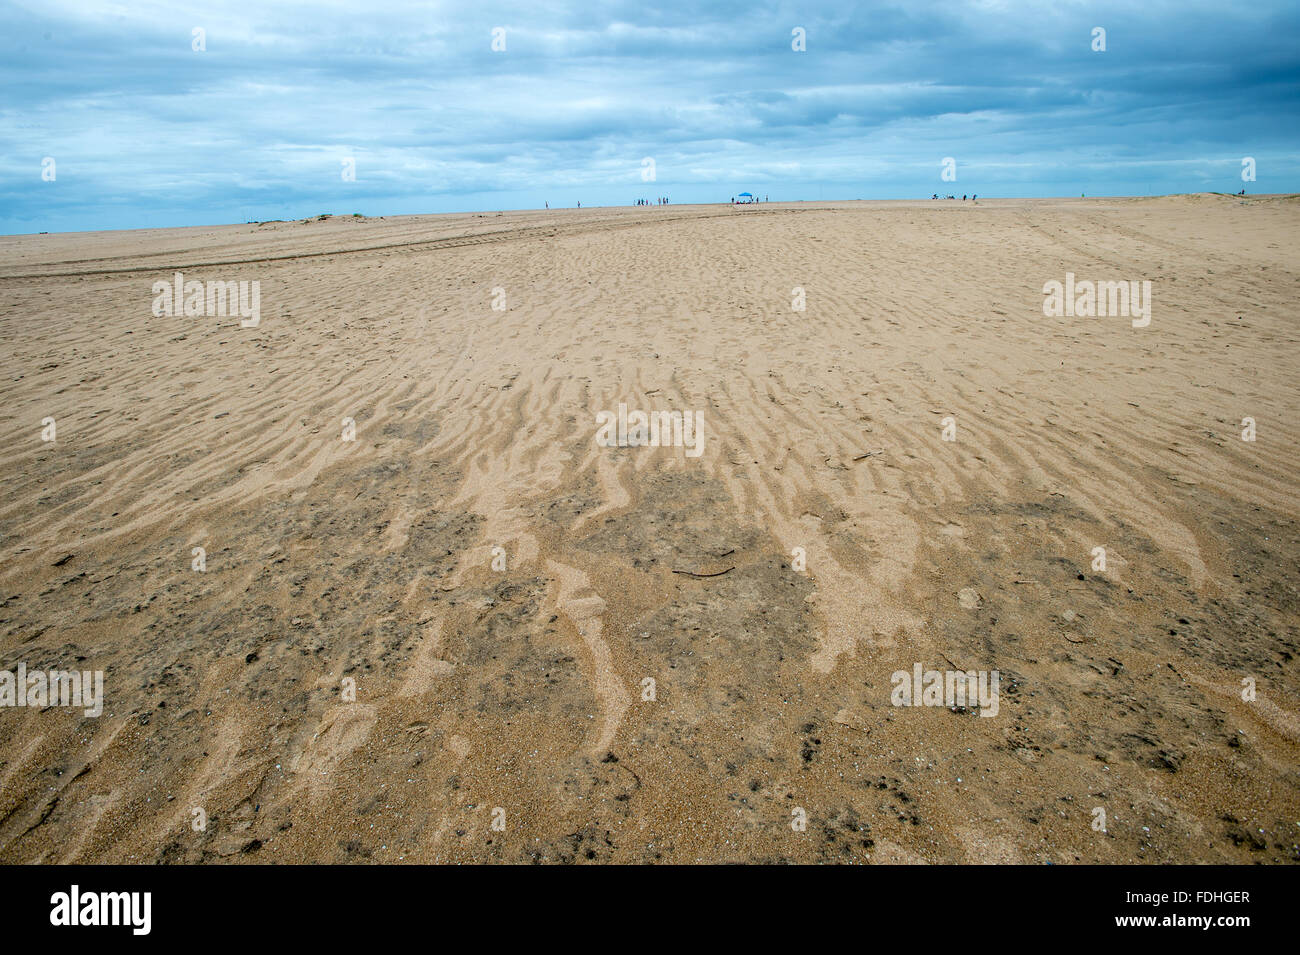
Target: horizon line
point(480, 211)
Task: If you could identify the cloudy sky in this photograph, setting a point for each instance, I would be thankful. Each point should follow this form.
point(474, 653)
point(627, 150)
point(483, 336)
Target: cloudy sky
point(144, 130)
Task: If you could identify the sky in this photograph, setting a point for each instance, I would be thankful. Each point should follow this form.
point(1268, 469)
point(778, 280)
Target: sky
point(122, 116)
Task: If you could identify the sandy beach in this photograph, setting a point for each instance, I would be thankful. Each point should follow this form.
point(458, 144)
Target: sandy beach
point(365, 584)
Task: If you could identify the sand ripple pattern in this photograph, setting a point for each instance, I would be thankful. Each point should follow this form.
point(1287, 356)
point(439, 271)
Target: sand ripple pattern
point(375, 561)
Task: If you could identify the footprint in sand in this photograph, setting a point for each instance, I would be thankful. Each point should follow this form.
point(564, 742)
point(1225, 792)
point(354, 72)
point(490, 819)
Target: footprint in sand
point(342, 729)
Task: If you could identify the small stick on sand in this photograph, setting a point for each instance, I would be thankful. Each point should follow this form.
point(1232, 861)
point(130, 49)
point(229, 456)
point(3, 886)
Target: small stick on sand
point(689, 573)
point(948, 660)
point(869, 454)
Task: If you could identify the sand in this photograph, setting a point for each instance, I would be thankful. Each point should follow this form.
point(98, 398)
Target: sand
point(501, 708)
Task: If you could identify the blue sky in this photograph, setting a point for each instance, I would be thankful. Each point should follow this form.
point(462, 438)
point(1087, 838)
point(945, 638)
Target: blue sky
point(145, 131)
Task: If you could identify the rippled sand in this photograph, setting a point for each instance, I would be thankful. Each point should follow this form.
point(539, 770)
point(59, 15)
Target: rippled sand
point(519, 694)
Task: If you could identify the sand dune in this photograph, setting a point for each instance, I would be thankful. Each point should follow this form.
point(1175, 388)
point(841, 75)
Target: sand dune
point(499, 588)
